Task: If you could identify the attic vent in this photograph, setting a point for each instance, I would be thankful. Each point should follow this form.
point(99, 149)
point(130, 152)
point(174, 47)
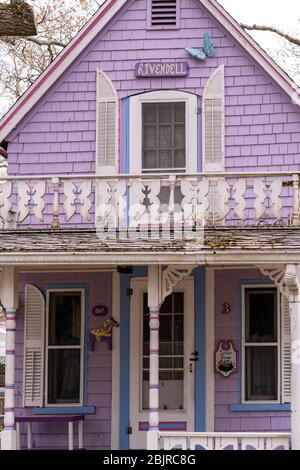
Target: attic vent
point(164, 13)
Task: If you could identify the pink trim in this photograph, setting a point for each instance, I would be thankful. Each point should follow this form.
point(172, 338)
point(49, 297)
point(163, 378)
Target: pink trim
point(252, 44)
point(64, 55)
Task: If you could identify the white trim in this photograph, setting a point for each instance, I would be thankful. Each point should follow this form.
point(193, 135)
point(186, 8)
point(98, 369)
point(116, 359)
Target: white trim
point(81, 40)
point(115, 384)
point(236, 258)
point(210, 341)
point(135, 126)
point(81, 347)
point(277, 343)
point(220, 166)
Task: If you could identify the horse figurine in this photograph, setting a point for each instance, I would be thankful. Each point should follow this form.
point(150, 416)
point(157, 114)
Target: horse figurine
point(104, 332)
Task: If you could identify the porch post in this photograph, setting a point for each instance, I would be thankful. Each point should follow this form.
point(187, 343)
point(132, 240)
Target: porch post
point(9, 297)
point(292, 280)
point(153, 304)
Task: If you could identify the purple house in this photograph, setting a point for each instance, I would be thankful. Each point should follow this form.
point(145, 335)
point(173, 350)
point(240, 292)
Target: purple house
point(150, 244)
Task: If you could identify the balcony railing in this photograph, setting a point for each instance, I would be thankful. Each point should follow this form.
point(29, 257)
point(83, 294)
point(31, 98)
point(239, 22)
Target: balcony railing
point(159, 206)
point(223, 441)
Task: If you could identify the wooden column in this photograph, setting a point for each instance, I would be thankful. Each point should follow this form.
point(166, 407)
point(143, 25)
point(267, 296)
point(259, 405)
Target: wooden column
point(292, 282)
point(154, 296)
point(295, 363)
point(9, 297)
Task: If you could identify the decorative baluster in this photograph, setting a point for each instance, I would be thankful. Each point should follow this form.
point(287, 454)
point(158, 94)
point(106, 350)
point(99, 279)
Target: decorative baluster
point(55, 211)
point(259, 189)
point(38, 192)
point(276, 188)
point(144, 207)
point(173, 216)
point(168, 222)
point(239, 197)
point(5, 205)
point(296, 200)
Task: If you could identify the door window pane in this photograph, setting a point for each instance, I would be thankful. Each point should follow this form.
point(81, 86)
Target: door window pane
point(171, 353)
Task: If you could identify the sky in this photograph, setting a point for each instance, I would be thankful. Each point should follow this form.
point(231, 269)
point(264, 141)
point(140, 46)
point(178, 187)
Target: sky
point(283, 15)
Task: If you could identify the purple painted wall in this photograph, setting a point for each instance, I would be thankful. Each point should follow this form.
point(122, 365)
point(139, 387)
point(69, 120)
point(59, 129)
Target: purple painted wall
point(96, 426)
point(227, 390)
point(58, 135)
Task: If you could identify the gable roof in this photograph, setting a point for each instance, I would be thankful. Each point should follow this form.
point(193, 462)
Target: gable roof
point(106, 12)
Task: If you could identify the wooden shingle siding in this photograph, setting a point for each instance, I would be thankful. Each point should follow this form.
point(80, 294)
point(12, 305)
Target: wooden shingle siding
point(262, 125)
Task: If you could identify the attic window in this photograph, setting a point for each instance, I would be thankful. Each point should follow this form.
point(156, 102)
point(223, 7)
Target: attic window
point(163, 14)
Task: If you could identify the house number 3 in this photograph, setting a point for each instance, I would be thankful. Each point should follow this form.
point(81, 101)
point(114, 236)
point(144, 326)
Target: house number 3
point(226, 308)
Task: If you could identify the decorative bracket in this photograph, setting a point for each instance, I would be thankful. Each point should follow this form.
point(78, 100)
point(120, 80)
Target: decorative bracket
point(285, 279)
point(276, 274)
point(171, 276)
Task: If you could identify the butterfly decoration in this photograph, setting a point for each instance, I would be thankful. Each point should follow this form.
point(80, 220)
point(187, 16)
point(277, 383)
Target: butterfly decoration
point(207, 51)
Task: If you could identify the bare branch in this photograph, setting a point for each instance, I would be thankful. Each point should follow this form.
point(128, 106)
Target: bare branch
point(256, 27)
point(45, 42)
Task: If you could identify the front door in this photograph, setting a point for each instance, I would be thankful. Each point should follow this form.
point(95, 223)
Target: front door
point(176, 370)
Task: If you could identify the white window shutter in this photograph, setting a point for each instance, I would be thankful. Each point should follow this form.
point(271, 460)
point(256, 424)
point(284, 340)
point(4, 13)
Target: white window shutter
point(213, 122)
point(107, 125)
point(34, 334)
point(285, 350)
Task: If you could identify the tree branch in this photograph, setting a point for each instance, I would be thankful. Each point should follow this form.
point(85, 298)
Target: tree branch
point(45, 42)
point(38, 41)
point(256, 27)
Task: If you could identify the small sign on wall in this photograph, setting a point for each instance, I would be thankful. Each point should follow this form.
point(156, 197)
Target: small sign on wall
point(161, 69)
point(226, 358)
point(100, 310)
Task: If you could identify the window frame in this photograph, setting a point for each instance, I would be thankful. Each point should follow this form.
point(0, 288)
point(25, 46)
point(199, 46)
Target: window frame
point(81, 348)
point(136, 127)
point(244, 344)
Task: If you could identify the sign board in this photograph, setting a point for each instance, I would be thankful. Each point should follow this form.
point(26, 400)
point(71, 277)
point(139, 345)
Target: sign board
point(100, 310)
point(161, 69)
point(226, 358)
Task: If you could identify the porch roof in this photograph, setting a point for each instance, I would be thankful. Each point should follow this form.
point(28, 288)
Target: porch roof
point(221, 245)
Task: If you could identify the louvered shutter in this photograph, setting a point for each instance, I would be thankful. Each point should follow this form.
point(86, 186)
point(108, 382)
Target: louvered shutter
point(107, 120)
point(285, 350)
point(164, 13)
point(213, 122)
point(34, 334)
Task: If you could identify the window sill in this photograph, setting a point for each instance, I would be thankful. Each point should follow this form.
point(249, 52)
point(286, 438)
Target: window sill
point(65, 410)
point(260, 407)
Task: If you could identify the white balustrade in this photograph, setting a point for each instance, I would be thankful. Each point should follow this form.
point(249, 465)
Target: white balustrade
point(223, 441)
point(160, 206)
